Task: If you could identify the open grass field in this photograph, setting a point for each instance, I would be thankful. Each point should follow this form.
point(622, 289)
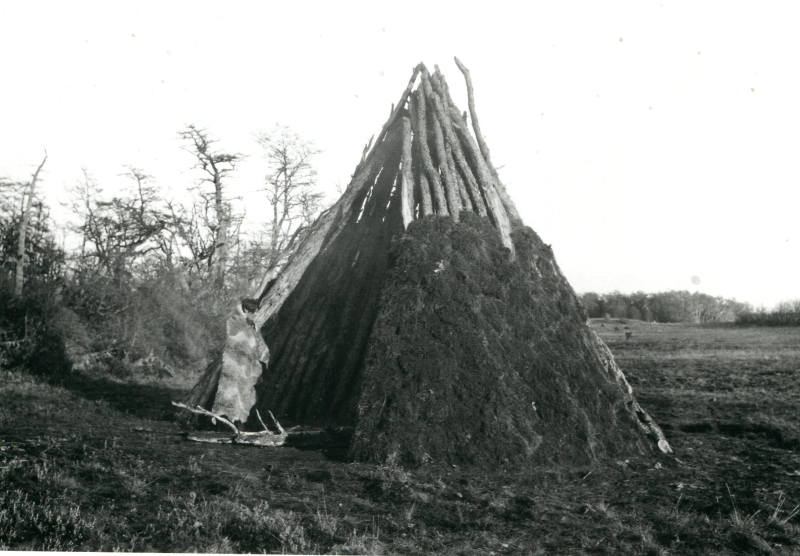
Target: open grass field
point(99, 464)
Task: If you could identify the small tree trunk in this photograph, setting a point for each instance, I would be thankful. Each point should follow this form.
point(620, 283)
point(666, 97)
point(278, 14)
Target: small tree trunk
point(23, 230)
point(221, 241)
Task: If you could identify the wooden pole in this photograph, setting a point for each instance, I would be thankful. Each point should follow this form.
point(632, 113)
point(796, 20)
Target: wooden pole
point(421, 133)
point(511, 208)
point(494, 203)
point(407, 177)
point(423, 187)
point(466, 202)
point(396, 110)
point(476, 127)
point(450, 185)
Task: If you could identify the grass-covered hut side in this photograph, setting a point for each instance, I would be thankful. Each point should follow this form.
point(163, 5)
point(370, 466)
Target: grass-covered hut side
point(478, 357)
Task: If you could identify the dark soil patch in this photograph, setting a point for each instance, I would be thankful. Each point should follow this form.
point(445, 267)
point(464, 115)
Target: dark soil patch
point(753, 431)
point(773, 435)
point(697, 427)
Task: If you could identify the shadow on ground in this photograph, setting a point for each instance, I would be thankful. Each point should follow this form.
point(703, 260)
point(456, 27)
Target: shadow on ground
point(334, 444)
point(146, 401)
point(153, 402)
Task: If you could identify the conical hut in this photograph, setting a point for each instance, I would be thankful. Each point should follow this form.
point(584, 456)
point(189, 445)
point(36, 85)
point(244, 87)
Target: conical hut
point(421, 311)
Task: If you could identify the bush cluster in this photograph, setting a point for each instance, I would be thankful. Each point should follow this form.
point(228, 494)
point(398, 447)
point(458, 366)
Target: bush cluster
point(151, 324)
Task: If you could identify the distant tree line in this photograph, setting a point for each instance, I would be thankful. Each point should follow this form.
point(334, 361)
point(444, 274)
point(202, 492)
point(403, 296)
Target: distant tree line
point(684, 306)
point(786, 313)
point(671, 306)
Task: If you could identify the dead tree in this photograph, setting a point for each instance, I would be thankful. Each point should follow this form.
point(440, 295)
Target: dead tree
point(117, 232)
point(23, 229)
point(216, 166)
point(289, 186)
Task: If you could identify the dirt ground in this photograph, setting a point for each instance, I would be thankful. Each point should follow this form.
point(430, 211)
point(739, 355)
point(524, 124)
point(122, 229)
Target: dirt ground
point(96, 463)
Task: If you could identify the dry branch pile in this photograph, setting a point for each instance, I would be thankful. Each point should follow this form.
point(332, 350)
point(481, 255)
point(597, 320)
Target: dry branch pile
point(264, 437)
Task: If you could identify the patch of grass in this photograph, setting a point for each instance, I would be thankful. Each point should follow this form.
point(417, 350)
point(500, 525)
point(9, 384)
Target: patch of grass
point(366, 542)
point(204, 525)
point(48, 524)
point(782, 516)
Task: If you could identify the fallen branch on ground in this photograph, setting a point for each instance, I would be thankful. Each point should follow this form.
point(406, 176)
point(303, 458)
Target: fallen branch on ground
point(260, 438)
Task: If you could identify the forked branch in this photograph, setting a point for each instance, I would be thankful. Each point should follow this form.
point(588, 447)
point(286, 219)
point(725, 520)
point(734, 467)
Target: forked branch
point(214, 417)
point(261, 438)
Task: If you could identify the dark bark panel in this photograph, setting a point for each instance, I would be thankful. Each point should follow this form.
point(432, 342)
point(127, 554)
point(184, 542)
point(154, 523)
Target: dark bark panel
point(318, 337)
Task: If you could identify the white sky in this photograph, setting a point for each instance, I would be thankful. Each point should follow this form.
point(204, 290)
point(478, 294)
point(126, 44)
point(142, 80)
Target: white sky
point(648, 142)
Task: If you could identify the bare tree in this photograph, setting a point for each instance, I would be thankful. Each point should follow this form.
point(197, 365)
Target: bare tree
point(23, 229)
point(10, 205)
point(116, 233)
point(289, 185)
point(216, 166)
point(43, 257)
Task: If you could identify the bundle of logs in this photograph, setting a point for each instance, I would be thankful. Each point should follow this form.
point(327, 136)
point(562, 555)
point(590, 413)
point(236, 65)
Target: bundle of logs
point(444, 168)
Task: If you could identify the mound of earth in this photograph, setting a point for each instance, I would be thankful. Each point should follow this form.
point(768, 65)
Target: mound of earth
point(476, 357)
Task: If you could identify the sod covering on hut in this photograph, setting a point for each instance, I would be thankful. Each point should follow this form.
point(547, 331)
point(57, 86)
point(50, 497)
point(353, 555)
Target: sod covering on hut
point(420, 310)
point(476, 357)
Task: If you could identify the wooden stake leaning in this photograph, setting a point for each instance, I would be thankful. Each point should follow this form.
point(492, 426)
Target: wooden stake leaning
point(511, 208)
point(476, 127)
point(485, 180)
point(422, 190)
point(466, 202)
point(426, 206)
point(400, 105)
point(473, 188)
point(407, 177)
point(421, 136)
point(494, 203)
point(450, 185)
point(477, 189)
